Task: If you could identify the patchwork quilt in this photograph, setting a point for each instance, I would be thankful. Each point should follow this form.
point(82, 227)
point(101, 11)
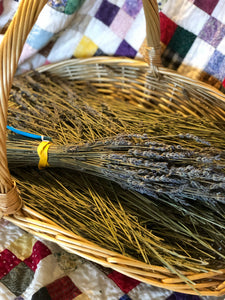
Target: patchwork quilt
point(78, 28)
point(193, 36)
point(193, 43)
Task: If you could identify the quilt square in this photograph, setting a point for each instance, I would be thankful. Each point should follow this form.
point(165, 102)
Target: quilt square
point(40, 251)
point(8, 261)
point(213, 32)
point(22, 247)
point(72, 6)
point(63, 289)
point(18, 279)
point(216, 65)
point(125, 49)
point(38, 37)
point(132, 7)
point(125, 283)
point(121, 24)
point(107, 12)
point(181, 41)
point(167, 28)
point(206, 5)
point(85, 48)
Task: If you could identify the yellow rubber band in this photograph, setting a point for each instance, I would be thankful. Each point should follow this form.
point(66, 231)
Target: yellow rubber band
point(42, 151)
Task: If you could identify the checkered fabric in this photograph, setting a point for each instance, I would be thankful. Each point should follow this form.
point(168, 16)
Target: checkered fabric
point(78, 28)
point(193, 35)
point(106, 27)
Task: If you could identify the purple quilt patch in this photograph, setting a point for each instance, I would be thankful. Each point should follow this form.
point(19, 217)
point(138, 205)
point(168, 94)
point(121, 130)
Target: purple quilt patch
point(107, 12)
point(125, 50)
point(132, 7)
point(206, 5)
point(213, 32)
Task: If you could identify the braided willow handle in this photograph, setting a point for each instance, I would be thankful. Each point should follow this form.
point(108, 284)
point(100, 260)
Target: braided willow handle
point(10, 50)
point(152, 31)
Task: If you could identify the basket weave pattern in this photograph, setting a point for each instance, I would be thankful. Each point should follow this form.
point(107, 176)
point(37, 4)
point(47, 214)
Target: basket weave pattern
point(152, 86)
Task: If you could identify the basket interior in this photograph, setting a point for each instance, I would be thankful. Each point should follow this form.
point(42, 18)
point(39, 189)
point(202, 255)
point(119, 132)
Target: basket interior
point(89, 112)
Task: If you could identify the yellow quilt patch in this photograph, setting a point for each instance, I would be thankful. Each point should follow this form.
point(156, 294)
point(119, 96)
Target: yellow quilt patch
point(23, 246)
point(85, 48)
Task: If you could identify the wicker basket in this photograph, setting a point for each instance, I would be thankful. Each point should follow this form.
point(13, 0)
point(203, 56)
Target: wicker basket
point(150, 85)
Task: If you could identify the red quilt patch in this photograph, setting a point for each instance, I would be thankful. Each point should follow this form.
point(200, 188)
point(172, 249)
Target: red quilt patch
point(125, 283)
point(63, 289)
point(40, 251)
point(167, 28)
point(8, 261)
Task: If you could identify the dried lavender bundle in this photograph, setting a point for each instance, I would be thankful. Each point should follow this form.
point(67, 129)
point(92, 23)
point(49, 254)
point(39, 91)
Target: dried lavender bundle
point(142, 164)
point(173, 154)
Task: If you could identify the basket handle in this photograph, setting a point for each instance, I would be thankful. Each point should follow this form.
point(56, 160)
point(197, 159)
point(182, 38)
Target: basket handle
point(152, 32)
point(10, 50)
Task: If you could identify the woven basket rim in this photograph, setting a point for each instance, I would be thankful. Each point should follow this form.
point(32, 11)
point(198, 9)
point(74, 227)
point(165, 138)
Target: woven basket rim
point(130, 62)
